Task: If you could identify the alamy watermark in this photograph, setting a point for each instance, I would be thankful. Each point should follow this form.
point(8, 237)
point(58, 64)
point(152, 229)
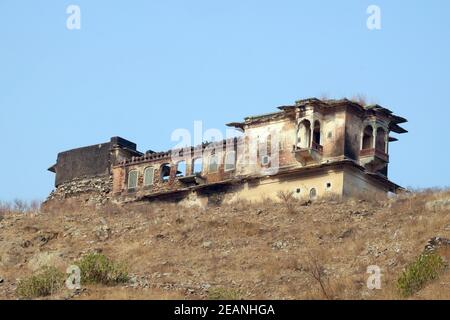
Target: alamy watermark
point(73, 21)
point(374, 280)
point(262, 147)
point(374, 20)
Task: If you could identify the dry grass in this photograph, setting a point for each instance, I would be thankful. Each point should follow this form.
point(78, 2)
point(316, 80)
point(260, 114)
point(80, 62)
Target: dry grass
point(255, 249)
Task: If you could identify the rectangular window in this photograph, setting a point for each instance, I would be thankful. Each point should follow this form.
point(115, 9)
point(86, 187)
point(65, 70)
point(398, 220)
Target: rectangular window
point(230, 161)
point(213, 164)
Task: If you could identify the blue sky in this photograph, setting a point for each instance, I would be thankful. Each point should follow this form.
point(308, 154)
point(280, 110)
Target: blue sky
point(141, 69)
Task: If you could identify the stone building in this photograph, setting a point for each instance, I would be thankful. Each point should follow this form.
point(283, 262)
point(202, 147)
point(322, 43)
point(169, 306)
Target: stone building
point(314, 148)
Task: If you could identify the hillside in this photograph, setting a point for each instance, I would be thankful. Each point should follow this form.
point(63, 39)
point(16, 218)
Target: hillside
point(251, 251)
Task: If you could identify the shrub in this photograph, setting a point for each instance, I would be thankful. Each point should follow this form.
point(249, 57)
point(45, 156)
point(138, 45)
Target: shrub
point(288, 200)
point(46, 282)
point(97, 268)
point(224, 294)
point(427, 267)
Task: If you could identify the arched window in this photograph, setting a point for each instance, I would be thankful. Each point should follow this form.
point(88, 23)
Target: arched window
point(313, 194)
point(304, 134)
point(149, 173)
point(367, 141)
point(181, 169)
point(316, 132)
point(213, 165)
point(197, 166)
point(165, 172)
point(380, 143)
point(230, 160)
point(132, 179)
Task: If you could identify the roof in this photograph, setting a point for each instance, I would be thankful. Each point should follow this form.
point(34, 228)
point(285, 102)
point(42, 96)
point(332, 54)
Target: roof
point(329, 103)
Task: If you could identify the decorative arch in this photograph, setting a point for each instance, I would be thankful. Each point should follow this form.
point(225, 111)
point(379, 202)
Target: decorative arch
point(367, 139)
point(304, 134)
point(164, 172)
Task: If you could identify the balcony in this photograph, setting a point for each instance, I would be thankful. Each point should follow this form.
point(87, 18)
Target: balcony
point(309, 155)
point(373, 159)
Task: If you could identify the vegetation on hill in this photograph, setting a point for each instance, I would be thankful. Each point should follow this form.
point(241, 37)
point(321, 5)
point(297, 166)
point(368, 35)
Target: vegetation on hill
point(285, 249)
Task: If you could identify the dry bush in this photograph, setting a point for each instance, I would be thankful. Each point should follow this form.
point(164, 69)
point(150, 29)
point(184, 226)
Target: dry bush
point(288, 200)
point(45, 283)
point(18, 206)
point(360, 99)
point(427, 267)
point(97, 268)
point(224, 294)
point(315, 269)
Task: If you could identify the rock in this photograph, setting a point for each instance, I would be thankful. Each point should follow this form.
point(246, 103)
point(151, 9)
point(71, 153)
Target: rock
point(26, 244)
point(207, 244)
point(103, 232)
point(42, 259)
point(44, 237)
point(435, 243)
point(280, 245)
point(345, 234)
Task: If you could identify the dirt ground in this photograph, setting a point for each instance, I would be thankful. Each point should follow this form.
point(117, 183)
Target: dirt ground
point(267, 250)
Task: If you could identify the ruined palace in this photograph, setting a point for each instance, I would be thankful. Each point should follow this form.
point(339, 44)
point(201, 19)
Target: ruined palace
point(313, 148)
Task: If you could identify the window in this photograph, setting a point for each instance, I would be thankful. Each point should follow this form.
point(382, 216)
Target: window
point(367, 142)
point(298, 190)
point(313, 194)
point(230, 160)
point(265, 160)
point(316, 132)
point(380, 143)
point(328, 185)
point(165, 172)
point(148, 176)
point(132, 179)
point(213, 163)
point(181, 169)
point(197, 166)
point(304, 134)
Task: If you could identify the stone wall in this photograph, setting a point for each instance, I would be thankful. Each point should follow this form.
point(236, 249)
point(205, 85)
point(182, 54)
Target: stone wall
point(91, 191)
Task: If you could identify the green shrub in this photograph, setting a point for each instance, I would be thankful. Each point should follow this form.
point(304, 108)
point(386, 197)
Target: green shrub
point(224, 294)
point(46, 282)
point(427, 267)
point(97, 268)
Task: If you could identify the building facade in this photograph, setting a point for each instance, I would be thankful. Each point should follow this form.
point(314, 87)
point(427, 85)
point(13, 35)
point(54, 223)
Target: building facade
point(314, 148)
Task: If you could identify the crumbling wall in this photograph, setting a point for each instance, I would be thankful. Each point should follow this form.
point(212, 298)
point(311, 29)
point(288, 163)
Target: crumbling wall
point(91, 191)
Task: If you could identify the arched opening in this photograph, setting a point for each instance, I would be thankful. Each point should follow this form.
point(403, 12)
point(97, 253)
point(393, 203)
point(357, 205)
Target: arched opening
point(148, 176)
point(197, 166)
point(304, 135)
point(380, 143)
point(316, 132)
point(313, 194)
point(165, 172)
point(181, 168)
point(367, 141)
point(132, 179)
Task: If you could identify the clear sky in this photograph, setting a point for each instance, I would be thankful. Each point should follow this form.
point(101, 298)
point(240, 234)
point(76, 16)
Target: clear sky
point(141, 69)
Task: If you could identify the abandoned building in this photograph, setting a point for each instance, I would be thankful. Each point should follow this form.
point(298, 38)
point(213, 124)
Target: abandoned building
point(314, 148)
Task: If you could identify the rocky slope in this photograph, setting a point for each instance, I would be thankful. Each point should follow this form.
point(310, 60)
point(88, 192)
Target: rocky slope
point(252, 251)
